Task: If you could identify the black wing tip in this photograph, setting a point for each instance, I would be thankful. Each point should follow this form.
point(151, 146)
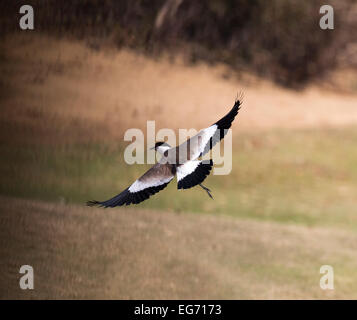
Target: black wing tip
point(118, 200)
point(93, 203)
point(127, 198)
point(226, 121)
point(237, 104)
point(239, 99)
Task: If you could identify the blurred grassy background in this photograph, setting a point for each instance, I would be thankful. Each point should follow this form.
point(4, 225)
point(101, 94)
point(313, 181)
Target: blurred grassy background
point(303, 177)
point(93, 69)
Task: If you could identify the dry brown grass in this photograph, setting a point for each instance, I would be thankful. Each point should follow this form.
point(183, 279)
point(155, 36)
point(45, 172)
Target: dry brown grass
point(126, 253)
point(62, 91)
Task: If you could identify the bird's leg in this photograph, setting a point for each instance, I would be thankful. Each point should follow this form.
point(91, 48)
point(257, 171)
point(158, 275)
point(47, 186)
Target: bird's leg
point(207, 190)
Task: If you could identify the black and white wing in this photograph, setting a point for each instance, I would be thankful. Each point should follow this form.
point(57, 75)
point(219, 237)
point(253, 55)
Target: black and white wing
point(192, 173)
point(216, 132)
point(206, 139)
point(154, 180)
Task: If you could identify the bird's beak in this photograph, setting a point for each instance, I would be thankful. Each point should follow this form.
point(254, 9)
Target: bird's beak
point(152, 148)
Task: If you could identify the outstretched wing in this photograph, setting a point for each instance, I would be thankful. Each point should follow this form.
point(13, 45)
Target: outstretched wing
point(154, 180)
point(218, 130)
point(206, 139)
point(192, 173)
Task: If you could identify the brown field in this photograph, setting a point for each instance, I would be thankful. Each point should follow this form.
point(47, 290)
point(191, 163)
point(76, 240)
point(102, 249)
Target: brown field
point(288, 207)
point(72, 93)
point(141, 254)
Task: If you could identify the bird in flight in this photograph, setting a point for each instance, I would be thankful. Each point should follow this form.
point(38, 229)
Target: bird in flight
point(182, 161)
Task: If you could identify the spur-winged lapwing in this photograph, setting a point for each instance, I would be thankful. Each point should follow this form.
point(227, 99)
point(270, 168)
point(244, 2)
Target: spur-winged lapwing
point(182, 161)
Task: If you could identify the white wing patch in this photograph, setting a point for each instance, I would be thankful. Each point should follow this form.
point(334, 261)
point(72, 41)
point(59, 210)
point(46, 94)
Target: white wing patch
point(192, 173)
point(199, 142)
point(186, 169)
point(212, 133)
point(142, 185)
point(208, 133)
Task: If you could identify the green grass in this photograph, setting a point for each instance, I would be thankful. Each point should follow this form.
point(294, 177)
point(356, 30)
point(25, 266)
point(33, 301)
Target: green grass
point(307, 177)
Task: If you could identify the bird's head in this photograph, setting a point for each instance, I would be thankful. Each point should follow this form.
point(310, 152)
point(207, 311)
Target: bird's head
point(161, 147)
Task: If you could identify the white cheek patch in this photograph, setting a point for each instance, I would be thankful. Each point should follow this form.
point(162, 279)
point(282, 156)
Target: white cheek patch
point(162, 149)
